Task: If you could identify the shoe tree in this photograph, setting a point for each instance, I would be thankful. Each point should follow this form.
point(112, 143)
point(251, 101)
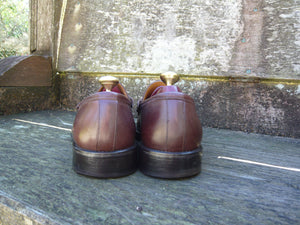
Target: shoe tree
point(169, 78)
point(108, 82)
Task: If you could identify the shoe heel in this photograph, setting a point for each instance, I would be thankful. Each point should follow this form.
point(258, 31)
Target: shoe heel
point(169, 165)
point(105, 164)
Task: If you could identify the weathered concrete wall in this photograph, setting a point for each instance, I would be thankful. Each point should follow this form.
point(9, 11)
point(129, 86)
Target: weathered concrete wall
point(280, 46)
point(199, 37)
point(260, 105)
point(27, 99)
point(211, 41)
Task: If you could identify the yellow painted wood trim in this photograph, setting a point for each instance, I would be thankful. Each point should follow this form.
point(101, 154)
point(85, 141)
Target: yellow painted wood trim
point(209, 78)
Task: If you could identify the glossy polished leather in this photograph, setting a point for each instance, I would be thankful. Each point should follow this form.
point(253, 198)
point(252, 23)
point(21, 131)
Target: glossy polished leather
point(104, 121)
point(168, 120)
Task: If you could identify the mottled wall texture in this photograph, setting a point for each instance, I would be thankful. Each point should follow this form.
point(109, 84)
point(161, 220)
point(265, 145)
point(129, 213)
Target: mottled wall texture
point(261, 105)
point(238, 59)
point(198, 37)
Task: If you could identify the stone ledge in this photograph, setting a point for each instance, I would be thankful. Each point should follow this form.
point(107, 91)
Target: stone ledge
point(15, 212)
point(36, 171)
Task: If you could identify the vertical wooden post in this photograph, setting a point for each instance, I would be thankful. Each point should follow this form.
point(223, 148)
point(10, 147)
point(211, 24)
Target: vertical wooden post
point(41, 23)
point(33, 25)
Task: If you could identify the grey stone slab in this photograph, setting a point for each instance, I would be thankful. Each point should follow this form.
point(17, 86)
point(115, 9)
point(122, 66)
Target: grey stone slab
point(135, 36)
point(262, 106)
point(12, 211)
point(199, 37)
point(36, 171)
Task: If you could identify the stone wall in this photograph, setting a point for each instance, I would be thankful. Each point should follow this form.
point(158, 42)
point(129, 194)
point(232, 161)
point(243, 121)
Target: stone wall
point(239, 60)
point(26, 99)
point(198, 37)
point(257, 105)
point(26, 84)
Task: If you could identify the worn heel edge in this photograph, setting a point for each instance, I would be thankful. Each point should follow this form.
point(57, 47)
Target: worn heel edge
point(169, 165)
point(105, 164)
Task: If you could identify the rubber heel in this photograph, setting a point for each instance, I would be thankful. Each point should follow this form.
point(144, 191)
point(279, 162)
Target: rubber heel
point(169, 165)
point(105, 164)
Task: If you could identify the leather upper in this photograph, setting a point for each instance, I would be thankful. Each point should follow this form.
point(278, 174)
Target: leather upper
point(168, 120)
point(104, 121)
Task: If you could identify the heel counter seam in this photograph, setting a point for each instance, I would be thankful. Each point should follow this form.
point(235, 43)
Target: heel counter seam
point(99, 125)
point(167, 126)
point(184, 126)
point(115, 130)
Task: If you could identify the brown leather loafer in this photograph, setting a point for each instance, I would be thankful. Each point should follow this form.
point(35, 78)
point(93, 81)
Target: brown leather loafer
point(104, 133)
point(169, 130)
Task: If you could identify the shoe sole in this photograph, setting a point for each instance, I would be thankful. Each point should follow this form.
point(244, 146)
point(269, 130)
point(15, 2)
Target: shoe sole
point(169, 165)
point(105, 164)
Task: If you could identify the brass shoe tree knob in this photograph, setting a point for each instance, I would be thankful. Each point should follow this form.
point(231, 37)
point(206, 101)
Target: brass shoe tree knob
point(169, 78)
point(108, 82)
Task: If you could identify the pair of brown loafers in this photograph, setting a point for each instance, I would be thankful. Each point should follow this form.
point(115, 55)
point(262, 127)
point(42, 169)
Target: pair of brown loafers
point(166, 142)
